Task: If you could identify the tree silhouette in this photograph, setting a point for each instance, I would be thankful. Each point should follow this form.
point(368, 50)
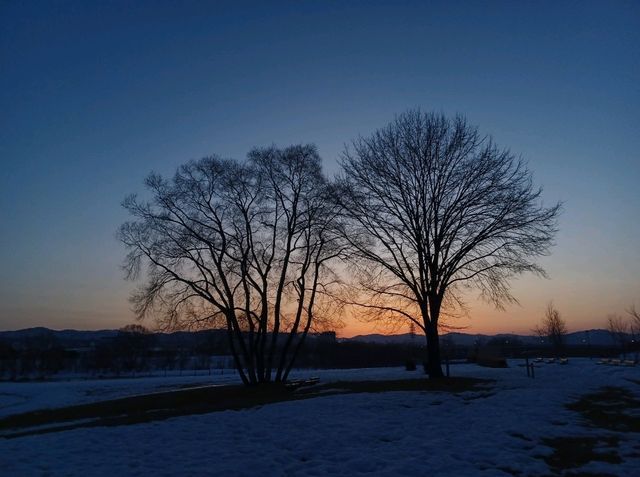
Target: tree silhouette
point(619, 328)
point(553, 327)
point(431, 206)
point(242, 245)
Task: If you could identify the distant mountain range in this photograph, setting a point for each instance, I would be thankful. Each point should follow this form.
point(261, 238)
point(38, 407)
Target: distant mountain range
point(72, 338)
point(80, 338)
point(64, 335)
point(593, 337)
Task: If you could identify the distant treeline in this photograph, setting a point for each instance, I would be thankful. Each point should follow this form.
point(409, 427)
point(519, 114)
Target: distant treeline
point(130, 352)
point(134, 350)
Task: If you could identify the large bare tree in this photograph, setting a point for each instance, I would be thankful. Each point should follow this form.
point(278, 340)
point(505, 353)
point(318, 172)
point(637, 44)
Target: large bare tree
point(431, 207)
point(244, 245)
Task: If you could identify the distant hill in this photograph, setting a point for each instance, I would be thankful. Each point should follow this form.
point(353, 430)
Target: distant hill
point(460, 339)
point(71, 338)
point(594, 337)
point(81, 338)
point(63, 335)
point(76, 338)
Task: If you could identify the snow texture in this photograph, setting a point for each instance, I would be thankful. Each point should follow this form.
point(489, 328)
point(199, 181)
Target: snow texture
point(484, 433)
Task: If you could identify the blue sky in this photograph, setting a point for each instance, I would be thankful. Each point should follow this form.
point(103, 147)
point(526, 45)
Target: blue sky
point(95, 95)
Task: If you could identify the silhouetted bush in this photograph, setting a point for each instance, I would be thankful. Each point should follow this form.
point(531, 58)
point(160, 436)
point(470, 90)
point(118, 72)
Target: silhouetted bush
point(492, 361)
point(410, 365)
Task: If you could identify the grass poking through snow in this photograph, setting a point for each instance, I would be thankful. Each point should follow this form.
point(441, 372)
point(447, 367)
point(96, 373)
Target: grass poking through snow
point(611, 408)
point(572, 452)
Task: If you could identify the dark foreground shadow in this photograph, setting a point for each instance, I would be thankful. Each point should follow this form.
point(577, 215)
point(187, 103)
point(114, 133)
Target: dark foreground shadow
point(201, 400)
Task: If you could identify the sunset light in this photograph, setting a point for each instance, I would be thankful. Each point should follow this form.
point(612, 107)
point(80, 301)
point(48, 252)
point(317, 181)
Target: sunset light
point(318, 237)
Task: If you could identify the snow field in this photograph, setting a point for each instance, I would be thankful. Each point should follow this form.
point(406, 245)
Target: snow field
point(486, 433)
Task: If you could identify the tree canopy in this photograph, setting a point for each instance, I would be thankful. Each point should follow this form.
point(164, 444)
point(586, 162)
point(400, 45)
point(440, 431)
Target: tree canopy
point(244, 245)
point(431, 207)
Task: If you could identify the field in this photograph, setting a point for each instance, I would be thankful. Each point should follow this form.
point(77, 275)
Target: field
point(577, 419)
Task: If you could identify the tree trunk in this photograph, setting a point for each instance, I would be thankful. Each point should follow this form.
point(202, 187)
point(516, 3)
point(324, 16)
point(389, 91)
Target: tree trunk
point(236, 358)
point(434, 367)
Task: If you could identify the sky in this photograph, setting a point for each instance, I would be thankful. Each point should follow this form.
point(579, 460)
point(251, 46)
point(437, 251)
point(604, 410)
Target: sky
point(95, 95)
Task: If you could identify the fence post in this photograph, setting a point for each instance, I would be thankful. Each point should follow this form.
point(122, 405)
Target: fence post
point(527, 365)
point(447, 361)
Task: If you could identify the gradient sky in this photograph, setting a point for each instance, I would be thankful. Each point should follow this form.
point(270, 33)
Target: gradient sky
point(95, 95)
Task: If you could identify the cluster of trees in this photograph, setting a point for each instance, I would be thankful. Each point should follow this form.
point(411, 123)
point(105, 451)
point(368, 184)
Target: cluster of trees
point(625, 331)
point(553, 328)
point(133, 349)
point(128, 351)
point(423, 209)
point(136, 350)
point(39, 357)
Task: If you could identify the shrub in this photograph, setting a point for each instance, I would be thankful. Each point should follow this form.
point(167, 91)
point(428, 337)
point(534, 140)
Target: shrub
point(492, 362)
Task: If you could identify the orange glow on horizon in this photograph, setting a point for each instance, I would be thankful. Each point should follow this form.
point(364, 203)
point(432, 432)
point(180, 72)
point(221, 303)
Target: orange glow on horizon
point(485, 319)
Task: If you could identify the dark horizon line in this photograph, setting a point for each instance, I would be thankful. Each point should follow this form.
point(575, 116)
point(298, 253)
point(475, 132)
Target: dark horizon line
point(314, 333)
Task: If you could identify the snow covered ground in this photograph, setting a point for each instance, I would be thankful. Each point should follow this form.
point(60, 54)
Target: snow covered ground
point(395, 433)
point(19, 397)
point(30, 396)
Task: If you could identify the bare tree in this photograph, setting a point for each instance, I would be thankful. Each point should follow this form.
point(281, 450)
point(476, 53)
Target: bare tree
point(240, 245)
point(553, 327)
point(432, 207)
point(618, 327)
point(634, 327)
point(635, 319)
